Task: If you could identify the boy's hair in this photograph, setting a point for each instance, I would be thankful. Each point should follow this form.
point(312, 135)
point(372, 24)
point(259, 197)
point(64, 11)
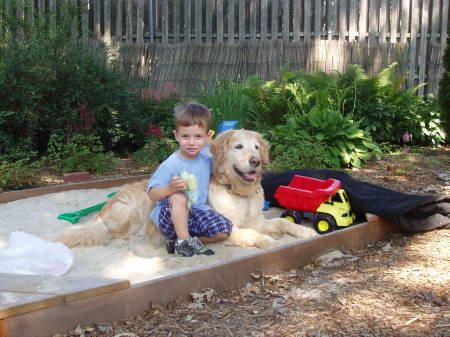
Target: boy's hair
point(192, 113)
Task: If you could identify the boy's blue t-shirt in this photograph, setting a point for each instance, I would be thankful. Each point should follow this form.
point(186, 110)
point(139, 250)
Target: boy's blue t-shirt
point(172, 166)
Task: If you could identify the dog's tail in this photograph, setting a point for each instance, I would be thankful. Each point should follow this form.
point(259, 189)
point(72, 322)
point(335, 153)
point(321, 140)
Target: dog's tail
point(93, 233)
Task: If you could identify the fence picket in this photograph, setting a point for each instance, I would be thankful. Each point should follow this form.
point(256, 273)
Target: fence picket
point(342, 20)
point(383, 20)
point(353, 8)
point(307, 20)
point(363, 20)
point(405, 14)
point(176, 21)
point(444, 22)
point(128, 22)
point(296, 13)
point(413, 42)
point(84, 17)
point(285, 19)
point(317, 19)
point(241, 19)
point(208, 21)
point(264, 9)
point(423, 43)
point(165, 22)
point(274, 19)
point(373, 20)
point(231, 15)
point(394, 21)
point(219, 21)
point(198, 21)
point(187, 20)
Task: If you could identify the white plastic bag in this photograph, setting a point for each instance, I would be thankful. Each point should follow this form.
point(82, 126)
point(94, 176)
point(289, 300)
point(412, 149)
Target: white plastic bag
point(28, 254)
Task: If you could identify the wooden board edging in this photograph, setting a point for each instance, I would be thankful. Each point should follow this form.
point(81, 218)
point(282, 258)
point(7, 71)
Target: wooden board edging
point(35, 192)
point(129, 302)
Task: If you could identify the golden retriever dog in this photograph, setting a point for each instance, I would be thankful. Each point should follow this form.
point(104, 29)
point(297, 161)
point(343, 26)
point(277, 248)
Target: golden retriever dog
point(234, 191)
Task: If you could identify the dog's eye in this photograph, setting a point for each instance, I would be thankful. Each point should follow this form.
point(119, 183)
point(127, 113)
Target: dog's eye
point(239, 146)
point(257, 146)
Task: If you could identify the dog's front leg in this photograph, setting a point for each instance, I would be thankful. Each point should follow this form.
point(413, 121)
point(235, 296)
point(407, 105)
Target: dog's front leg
point(248, 237)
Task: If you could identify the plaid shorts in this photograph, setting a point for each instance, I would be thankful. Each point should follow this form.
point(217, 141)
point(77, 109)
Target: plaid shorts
point(200, 222)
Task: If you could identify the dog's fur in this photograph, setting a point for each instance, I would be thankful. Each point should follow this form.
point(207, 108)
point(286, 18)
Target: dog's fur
point(234, 191)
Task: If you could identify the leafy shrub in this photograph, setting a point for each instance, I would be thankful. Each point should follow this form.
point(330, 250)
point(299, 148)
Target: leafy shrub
point(296, 152)
point(228, 101)
point(345, 143)
point(18, 174)
point(156, 149)
point(47, 79)
point(80, 153)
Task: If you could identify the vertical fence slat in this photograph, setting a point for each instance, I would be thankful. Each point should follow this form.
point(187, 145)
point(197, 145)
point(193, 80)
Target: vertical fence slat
point(128, 21)
point(444, 23)
point(84, 18)
point(317, 19)
point(404, 26)
point(373, 20)
point(296, 12)
point(139, 21)
point(241, 17)
point(52, 9)
point(383, 20)
point(434, 21)
point(413, 42)
point(219, 21)
point(253, 20)
point(342, 19)
point(97, 28)
point(285, 19)
point(165, 22)
point(230, 24)
point(353, 9)
point(208, 20)
point(187, 20)
point(274, 19)
point(264, 8)
point(307, 14)
point(176, 21)
point(151, 31)
point(363, 20)
point(394, 21)
point(198, 20)
point(31, 11)
point(107, 20)
point(119, 10)
point(423, 43)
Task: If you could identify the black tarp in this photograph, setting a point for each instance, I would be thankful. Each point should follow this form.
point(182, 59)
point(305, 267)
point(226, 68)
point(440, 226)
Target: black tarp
point(411, 212)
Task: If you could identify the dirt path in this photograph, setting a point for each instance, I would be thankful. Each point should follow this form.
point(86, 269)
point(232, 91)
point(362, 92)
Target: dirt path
point(396, 287)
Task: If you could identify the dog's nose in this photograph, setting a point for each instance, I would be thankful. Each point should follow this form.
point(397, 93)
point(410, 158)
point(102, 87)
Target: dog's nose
point(255, 161)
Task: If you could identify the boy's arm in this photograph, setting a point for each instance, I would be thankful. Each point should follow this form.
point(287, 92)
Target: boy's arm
point(176, 184)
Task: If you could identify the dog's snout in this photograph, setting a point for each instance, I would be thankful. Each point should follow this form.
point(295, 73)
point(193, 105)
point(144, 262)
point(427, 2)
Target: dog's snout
point(255, 161)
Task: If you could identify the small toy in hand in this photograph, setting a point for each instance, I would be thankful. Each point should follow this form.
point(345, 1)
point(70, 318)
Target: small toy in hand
point(191, 190)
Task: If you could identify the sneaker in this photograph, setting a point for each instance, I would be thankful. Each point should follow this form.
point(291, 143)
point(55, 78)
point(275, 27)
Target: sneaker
point(170, 246)
point(192, 246)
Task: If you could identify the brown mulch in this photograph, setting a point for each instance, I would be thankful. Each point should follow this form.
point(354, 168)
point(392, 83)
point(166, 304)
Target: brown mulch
point(396, 287)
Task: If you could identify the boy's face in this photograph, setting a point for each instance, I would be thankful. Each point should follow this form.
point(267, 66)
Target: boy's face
point(192, 140)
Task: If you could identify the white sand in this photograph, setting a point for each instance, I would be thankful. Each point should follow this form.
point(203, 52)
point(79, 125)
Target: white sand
point(135, 260)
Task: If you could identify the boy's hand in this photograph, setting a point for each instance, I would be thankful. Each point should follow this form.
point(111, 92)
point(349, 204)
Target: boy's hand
point(178, 184)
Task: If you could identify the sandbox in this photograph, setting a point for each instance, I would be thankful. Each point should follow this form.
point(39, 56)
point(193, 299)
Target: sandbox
point(125, 277)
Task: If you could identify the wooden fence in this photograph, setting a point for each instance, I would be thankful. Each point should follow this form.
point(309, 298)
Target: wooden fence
point(173, 29)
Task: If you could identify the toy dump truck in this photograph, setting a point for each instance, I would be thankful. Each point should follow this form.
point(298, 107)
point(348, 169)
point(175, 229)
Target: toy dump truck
point(321, 200)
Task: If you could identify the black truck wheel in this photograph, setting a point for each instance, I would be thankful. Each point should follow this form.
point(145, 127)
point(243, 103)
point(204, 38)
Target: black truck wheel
point(324, 223)
point(292, 216)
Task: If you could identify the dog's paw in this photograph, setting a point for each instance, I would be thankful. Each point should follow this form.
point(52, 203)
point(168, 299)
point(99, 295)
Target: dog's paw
point(265, 241)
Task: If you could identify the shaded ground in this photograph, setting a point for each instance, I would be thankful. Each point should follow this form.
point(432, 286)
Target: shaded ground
point(396, 287)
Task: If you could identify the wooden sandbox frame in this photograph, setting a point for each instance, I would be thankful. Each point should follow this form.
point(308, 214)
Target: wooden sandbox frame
point(126, 302)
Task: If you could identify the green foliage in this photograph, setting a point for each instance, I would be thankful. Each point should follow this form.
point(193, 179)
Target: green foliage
point(80, 153)
point(344, 142)
point(228, 101)
point(296, 152)
point(18, 174)
point(444, 92)
point(51, 83)
point(156, 149)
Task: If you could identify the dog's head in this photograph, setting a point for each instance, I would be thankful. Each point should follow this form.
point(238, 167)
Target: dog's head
point(238, 159)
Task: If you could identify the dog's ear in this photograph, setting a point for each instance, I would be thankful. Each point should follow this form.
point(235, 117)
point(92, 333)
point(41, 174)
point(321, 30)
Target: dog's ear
point(264, 148)
point(219, 146)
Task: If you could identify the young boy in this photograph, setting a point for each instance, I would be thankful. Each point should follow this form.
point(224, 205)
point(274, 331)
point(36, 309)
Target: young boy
point(186, 228)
